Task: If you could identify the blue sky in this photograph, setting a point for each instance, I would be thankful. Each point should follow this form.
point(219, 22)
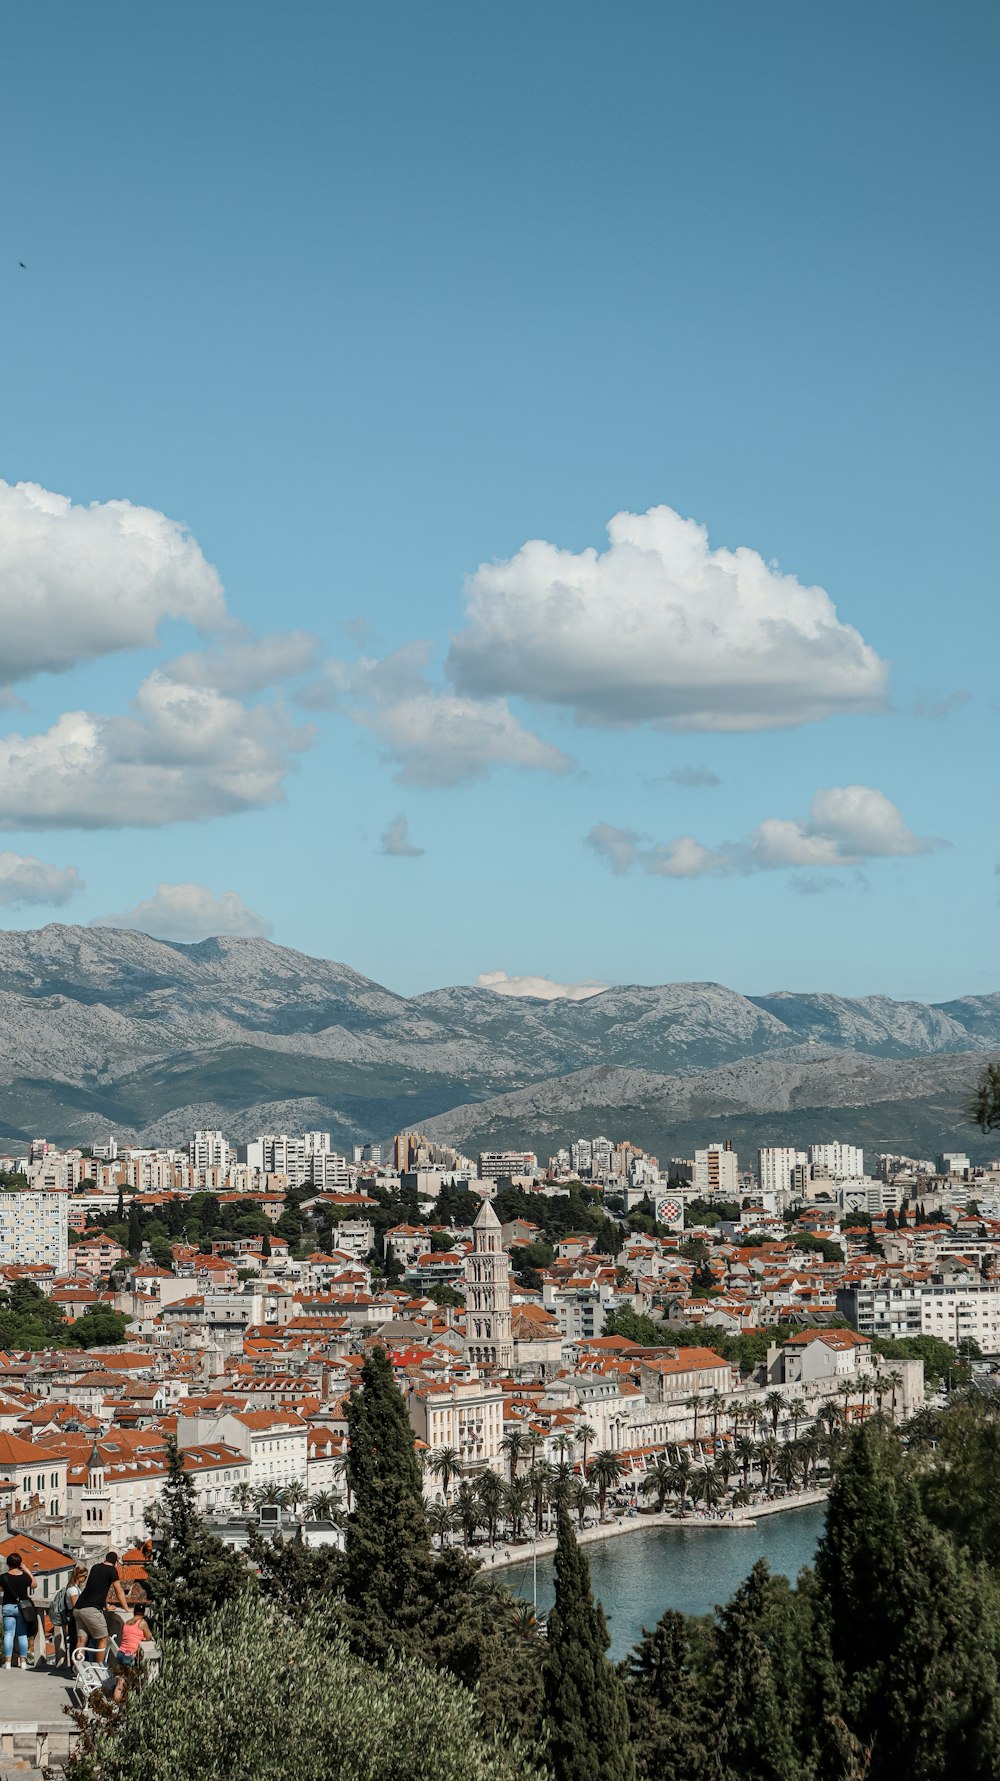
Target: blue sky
point(368, 298)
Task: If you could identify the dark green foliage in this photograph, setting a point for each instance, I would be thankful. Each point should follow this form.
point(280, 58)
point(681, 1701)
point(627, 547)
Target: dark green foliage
point(959, 1482)
point(913, 1626)
point(984, 1107)
point(102, 1328)
point(758, 1655)
point(585, 1705)
point(670, 1695)
point(938, 1357)
point(30, 1320)
point(387, 1558)
point(193, 1572)
point(134, 1242)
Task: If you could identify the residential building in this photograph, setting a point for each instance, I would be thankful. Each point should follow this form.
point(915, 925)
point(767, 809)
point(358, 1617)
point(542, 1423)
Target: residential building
point(34, 1230)
point(716, 1171)
point(837, 1159)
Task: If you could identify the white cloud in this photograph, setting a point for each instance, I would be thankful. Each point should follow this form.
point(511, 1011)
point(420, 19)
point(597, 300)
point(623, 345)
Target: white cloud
point(24, 880)
point(189, 912)
point(247, 664)
point(542, 988)
point(396, 840)
point(936, 709)
point(436, 738)
point(691, 776)
point(181, 755)
point(661, 628)
point(80, 582)
point(848, 824)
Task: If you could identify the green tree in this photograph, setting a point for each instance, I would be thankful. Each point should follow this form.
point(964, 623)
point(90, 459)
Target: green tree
point(670, 1701)
point(755, 1680)
point(193, 1572)
point(585, 1705)
point(134, 1243)
point(913, 1627)
point(387, 1555)
point(258, 1695)
point(603, 1473)
point(101, 1328)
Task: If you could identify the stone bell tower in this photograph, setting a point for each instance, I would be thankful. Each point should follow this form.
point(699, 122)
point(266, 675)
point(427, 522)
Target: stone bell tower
point(488, 1340)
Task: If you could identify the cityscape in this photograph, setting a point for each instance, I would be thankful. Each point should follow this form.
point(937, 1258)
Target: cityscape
point(499, 1012)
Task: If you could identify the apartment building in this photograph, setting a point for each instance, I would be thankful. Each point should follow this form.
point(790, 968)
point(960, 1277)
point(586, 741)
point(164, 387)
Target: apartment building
point(34, 1230)
point(466, 1414)
point(837, 1159)
point(716, 1171)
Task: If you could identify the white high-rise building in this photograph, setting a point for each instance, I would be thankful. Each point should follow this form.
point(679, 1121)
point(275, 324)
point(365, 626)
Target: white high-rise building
point(33, 1230)
point(488, 1338)
point(209, 1150)
point(836, 1159)
point(776, 1166)
point(580, 1153)
point(716, 1171)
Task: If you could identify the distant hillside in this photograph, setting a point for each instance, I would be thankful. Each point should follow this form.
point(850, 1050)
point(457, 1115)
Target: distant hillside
point(104, 1030)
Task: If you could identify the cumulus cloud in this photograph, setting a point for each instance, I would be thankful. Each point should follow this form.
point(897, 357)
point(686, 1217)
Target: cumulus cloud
point(436, 738)
point(847, 825)
point(542, 988)
point(78, 582)
point(396, 840)
point(936, 709)
point(661, 628)
point(690, 776)
point(181, 755)
point(25, 880)
point(243, 663)
point(189, 912)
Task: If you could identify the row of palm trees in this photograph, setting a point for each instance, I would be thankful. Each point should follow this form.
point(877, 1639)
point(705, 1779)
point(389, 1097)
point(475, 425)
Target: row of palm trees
point(714, 1409)
point(323, 1505)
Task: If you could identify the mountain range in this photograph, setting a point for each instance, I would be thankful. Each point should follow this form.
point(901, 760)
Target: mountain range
point(107, 1030)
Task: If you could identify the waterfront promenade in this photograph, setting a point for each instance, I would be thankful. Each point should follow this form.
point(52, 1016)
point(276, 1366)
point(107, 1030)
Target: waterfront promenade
point(746, 1517)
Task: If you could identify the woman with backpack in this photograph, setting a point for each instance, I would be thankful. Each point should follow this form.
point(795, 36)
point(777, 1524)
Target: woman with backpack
point(63, 1624)
point(20, 1616)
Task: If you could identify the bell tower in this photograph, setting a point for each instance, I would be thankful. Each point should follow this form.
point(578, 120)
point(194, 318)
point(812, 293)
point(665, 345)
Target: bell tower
point(488, 1340)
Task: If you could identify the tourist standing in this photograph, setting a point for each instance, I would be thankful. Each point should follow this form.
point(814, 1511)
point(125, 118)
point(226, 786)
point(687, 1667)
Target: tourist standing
point(16, 1586)
point(103, 1584)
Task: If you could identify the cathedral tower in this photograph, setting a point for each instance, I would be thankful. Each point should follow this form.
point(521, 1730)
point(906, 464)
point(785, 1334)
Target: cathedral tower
point(488, 1341)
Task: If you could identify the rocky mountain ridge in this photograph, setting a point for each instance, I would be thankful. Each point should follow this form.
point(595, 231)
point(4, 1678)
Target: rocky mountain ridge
point(109, 1029)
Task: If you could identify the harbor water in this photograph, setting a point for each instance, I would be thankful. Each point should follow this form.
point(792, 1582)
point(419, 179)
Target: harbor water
point(640, 1574)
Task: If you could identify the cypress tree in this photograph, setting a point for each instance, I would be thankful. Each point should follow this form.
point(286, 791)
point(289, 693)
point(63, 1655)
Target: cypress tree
point(586, 1712)
point(757, 1674)
point(669, 1708)
point(193, 1572)
point(914, 1628)
point(387, 1551)
point(134, 1228)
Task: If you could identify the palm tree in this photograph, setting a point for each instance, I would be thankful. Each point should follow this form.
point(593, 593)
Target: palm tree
point(846, 1391)
point(895, 1383)
point(516, 1497)
point(715, 1406)
point(694, 1404)
point(516, 1444)
point(707, 1484)
point(294, 1493)
point(440, 1521)
point(798, 1410)
point(808, 1451)
point(787, 1463)
point(242, 1495)
point(605, 1471)
point(491, 1492)
point(726, 1465)
point(343, 1470)
point(267, 1493)
point(541, 1480)
point(767, 1453)
point(774, 1403)
point(745, 1451)
point(586, 1434)
point(581, 1498)
point(564, 1443)
point(323, 1506)
point(681, 1474)
point(659, 1479)
point(444, 1464)
point(468, 1510)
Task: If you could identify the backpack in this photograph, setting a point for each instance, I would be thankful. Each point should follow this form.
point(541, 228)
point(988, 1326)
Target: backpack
point(58, 1605)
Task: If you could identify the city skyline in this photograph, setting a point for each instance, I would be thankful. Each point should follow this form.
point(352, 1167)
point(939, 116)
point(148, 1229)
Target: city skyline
point(467, 510)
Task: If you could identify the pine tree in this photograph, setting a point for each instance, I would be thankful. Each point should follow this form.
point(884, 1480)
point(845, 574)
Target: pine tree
point(669, 1706)
point(757, 1676)
point(586, 1711)
point(387, 1553)
point(134, 1227)
point(914, 1627)
point(194, 1571)
point(265, 1247)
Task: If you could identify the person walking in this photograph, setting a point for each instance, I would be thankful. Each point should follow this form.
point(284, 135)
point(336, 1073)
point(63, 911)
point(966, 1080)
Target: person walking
point(16, 1586)
point(103, 1585)
point(63, 1626)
